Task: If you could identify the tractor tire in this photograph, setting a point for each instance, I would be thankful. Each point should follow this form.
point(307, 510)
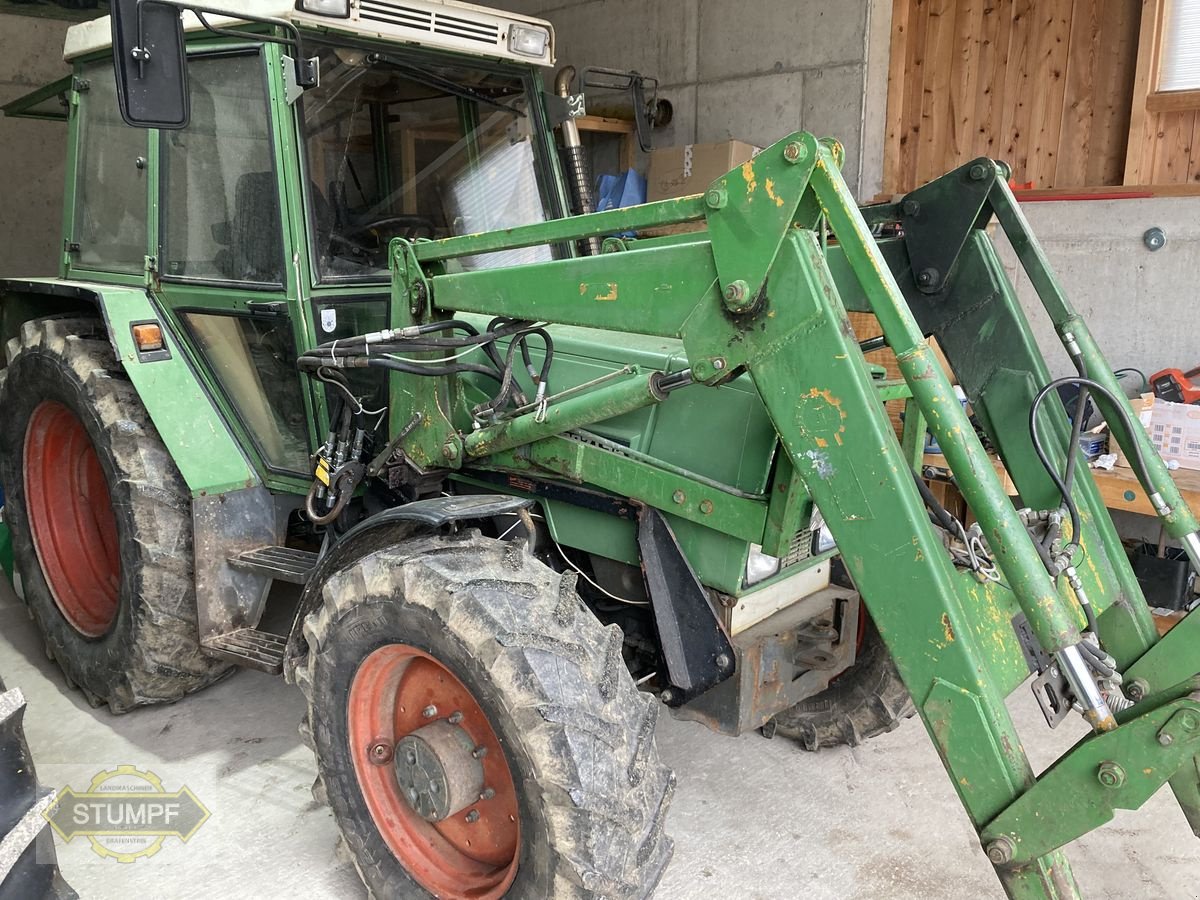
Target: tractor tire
point(865, 701)
point(100, 520)
point(28, 864)
point(476, 638)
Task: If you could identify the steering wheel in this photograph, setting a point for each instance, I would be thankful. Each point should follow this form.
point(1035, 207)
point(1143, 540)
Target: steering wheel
point(411, 227)
point(367, 240)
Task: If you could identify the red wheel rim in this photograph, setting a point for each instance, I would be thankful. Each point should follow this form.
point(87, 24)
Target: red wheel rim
point(71, 519)
point(458, 857)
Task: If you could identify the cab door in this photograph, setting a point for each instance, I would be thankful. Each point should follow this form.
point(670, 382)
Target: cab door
point(225, 259)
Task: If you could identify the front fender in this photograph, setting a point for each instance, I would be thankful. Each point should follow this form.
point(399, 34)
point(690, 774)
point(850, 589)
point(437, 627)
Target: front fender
point(387, 529)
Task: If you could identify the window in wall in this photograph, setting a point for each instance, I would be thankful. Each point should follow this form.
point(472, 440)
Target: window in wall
point(110, 194)
point(1179, 68)
point(220, 199)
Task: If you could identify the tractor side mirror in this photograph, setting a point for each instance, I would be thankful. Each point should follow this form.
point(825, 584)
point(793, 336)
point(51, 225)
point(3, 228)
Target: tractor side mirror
point(150, 63)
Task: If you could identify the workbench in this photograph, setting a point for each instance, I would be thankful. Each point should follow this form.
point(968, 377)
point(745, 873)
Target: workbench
point(1119, 488)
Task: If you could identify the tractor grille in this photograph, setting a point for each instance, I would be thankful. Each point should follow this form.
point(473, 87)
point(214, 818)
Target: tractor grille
point(428, 21)
point(800, 550)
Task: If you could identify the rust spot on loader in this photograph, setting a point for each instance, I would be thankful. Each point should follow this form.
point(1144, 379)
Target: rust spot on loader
point(603, 291)
point(947, 628)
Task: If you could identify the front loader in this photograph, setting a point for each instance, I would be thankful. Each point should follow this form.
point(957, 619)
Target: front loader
point(327, 323)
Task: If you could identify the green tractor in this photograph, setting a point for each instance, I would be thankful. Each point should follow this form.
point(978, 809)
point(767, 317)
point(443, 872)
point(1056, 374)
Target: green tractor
point(333, 313)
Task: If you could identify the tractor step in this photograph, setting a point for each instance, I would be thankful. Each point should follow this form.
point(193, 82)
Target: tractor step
point(280, 563)
point(249, 647)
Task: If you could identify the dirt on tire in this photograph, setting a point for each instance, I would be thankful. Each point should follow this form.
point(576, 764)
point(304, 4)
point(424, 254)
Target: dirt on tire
point(150, 653)
point(577, 734)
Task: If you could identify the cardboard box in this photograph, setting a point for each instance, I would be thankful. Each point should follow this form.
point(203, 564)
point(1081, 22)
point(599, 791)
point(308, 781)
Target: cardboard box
point(680, 171)
point(1174, 429)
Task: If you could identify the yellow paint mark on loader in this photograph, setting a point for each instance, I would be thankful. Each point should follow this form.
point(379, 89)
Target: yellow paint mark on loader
point(771, 192)
point(748, 177)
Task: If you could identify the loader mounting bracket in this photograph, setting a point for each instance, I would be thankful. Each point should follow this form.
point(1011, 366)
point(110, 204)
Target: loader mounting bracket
point(698, 652)
point(1156, 742)
point(938, 217)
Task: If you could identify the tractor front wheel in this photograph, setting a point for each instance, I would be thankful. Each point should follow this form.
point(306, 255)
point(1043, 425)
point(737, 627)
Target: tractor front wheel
point(100, 519)
point(477, 733)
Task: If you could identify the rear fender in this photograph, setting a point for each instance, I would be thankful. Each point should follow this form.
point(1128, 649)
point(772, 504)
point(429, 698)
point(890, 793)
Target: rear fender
point(199, 440)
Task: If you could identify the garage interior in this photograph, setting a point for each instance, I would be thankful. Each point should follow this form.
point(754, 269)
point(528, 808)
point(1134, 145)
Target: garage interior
point(1089, 104)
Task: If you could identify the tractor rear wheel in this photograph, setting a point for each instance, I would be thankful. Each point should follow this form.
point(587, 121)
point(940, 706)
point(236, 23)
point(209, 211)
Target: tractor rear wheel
point(477, 733)
point(28, 864)
point(100, 520)
point(866, 700)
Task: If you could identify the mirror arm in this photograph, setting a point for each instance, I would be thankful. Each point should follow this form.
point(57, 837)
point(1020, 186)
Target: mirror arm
point(631, 82)
point(306, 72)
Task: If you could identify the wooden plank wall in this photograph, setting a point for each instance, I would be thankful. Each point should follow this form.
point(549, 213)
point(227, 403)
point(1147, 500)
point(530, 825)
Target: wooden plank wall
point(1044, 84)
point(1164, 146)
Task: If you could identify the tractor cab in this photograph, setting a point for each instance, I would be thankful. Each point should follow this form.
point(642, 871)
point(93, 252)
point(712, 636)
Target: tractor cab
point(261, 212)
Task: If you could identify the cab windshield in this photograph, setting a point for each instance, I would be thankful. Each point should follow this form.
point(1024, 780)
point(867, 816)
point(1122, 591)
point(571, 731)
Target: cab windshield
point(419, 150)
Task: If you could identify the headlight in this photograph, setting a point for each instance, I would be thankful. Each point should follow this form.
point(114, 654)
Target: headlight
point(822, 540)
point(338, 9)
point(528, 40)
point(759, 566)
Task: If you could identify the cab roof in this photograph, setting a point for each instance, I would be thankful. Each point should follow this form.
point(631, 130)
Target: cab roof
point(443, 24)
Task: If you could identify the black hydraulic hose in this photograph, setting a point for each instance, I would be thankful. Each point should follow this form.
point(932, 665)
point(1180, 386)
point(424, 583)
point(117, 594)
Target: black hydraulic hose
point(309, 508)
point(940, 514)
point(501, 399)
point(382, 362)
point(1081, 400)
point(411, 369)
point(1095, 659)
point(548, 354)
point(353, 346)
point(1137, 460)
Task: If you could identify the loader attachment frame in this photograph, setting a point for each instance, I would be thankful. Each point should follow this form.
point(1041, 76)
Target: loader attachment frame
point(765, 290)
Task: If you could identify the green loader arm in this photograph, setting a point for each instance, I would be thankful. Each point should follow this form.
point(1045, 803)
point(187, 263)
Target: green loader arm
point(765, 290)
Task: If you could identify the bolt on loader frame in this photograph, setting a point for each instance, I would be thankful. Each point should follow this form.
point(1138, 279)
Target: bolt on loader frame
point(762, 292)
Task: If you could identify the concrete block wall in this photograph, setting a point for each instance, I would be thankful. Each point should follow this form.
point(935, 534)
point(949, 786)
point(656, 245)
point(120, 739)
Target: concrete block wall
point(753, 70)
point(32, 153)
point(1137, 303)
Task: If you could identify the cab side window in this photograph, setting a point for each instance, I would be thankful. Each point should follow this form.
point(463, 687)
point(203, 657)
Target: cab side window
point(110, 193)
point(220, 193)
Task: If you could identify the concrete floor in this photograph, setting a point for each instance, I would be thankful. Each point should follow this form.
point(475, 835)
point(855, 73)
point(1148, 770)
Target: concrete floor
point(752, 818)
